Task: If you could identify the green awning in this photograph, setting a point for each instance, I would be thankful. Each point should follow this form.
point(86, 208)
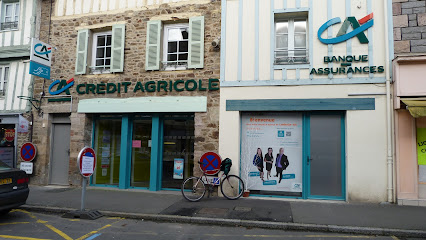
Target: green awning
point(417, 108)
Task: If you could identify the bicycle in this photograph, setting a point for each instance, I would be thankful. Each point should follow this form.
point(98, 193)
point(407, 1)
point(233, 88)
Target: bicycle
point(231, 186)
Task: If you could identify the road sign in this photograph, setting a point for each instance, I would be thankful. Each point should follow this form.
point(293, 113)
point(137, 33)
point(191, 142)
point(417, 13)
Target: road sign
point(28, 152)
point(9, 135)
point(214, 180)
point(27, 167)
point(210, 163)
point(41, 52)
point(39, 70)
point(87, 161)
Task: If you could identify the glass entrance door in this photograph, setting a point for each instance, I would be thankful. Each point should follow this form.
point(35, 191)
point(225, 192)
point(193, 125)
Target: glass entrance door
point(325, 161)
point(141, 152)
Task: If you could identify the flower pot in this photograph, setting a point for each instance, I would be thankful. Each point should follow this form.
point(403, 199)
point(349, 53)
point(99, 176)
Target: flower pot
point(246, 193)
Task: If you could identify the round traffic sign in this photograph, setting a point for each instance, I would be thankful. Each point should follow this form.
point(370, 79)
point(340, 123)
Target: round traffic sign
point(28, 152)
point(210, 163)
point(87, 161)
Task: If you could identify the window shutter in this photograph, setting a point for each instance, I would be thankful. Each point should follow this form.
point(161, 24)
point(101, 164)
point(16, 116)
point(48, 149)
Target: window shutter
point(153, 43)
point(196, 42)
point(81, 58)
point(117, 53)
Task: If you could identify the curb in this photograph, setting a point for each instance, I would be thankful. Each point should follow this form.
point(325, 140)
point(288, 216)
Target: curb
point(244, 223)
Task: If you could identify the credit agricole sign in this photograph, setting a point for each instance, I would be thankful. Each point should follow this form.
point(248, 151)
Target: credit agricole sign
point(60, 86)
point(346, 67)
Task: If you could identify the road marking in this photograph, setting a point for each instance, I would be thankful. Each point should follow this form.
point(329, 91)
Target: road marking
point(23, 211)
point(96, 231)
point(116, 218)
point(74, 220)
point(1, 224)
point(57, 231)
point(21, 238)
point(94, 236)
point(291, 236)
point(395, 238)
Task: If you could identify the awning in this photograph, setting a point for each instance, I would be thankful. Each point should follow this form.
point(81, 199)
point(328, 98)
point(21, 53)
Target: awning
point(417, 108)
point(143, 104)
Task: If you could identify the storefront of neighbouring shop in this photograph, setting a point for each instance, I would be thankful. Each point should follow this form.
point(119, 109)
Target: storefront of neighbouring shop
point(410, 129)
point(304, 99)
point(143, 91)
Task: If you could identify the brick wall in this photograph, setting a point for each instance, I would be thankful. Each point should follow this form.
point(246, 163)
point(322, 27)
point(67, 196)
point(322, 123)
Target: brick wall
point(63, 36)
point(409, 22)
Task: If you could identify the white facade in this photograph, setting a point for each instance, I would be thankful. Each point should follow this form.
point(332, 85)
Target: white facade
point(248, 73)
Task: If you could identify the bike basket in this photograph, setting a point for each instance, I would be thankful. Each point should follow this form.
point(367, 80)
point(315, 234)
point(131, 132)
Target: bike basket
point(225, 166)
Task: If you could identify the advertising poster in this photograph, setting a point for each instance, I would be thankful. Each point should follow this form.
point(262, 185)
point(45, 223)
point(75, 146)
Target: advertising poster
point(178, 168)
point(271, 151)
point(421, 146)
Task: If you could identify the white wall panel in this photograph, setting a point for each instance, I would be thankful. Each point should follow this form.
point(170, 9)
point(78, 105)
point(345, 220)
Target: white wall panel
point(248, 40)
point(264, 41)
point(18, 86)
point(231, 41)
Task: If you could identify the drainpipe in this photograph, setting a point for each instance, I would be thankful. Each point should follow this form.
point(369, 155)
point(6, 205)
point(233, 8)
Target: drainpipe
point(389, 108)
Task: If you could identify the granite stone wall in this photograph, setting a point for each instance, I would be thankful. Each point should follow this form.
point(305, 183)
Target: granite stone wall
point(409, 22)
point(61, 32)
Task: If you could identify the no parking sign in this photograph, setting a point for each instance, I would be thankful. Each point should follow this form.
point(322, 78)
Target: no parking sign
point(28, 152)
point(210, 163)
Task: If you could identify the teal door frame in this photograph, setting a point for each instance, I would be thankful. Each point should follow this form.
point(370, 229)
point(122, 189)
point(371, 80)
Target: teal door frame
point(307, 155)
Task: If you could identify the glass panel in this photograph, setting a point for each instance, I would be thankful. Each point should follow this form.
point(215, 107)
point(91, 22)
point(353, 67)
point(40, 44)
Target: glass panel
point(8, 10)
point(183, 56)
point(300, 26)
point(281, 27)
point(108, 40)
point(171, 57)
point(6, 74)
point(100, 52)
point(175, 34)
point(183, 46)
point(107, 147)
point(178, 151)
point(17, 9)
point(172, 47)
point(326, 150)
point(184, 33)
point(282, 41)
point(108, 52)
point(107, 62)
point(8, 19)
point(99, 62)
point(141, 153)
point(101, 41)
point(300, 40)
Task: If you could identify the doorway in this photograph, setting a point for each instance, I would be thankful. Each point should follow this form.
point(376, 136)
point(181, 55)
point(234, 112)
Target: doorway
point(60, 150)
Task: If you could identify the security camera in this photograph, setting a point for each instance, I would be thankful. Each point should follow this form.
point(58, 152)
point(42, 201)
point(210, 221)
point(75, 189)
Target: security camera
point(216, 42)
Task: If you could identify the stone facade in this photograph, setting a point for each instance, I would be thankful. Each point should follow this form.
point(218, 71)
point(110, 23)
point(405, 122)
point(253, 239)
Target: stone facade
point(409, 22)
point(63, 35)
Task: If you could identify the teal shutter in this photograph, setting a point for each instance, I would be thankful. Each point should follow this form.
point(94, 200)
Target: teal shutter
point(117, 53)
point(153, 43)
point(81, 58)
point(196, 42)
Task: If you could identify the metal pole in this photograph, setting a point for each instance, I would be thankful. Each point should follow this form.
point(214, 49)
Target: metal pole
point(83, 194)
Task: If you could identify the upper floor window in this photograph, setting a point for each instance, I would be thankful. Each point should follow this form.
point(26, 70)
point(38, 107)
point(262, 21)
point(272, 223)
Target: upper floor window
point(175, 47)
point(4, 77)
point(101, 55)
point(104, 53)
point(291, 41)
point(182, 46)
point(10, 15)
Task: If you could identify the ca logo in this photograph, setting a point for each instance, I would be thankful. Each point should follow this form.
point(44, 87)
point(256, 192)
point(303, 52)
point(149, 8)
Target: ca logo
point(63, 86)
point(358, 29)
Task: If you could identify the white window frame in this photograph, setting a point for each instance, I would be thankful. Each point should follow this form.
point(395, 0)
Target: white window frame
point(4, 78)
point(292, 59)
point(166, 28)
point(93, 68)
point(14, 15)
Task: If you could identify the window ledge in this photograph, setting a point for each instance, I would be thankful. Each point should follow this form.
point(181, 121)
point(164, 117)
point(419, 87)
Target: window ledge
point(9, 30)
point(292, 66)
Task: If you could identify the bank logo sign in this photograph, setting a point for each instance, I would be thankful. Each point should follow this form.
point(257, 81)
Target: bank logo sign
point(40, 58)
point(358, 28)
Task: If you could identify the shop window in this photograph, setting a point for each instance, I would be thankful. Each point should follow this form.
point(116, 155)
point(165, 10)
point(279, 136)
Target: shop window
point(10, 15)
point(107, 146)
point(182, 46)
point(291, 42)
point(4, 77)
point(7, 144)
point(175, 47)
point(100, 51)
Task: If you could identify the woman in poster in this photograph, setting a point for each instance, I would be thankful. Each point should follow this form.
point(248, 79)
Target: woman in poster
point(269, 159)
point(281, 164)
point(258, 162)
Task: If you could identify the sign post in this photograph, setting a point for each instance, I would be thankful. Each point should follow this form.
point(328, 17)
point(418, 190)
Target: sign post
point(86, 161)
point(28, 153)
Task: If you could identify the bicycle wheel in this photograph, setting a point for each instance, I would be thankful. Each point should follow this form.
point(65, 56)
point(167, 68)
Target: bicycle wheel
point(193, 189)
point(232, 187)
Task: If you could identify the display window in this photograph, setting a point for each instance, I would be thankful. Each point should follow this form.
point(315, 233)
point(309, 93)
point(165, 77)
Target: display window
point(7, 143)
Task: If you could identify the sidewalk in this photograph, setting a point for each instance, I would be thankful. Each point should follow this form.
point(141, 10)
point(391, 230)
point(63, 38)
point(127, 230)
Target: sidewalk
point(381, 219)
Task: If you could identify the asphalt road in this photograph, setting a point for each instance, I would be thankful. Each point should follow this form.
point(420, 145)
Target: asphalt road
point(23, 225)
